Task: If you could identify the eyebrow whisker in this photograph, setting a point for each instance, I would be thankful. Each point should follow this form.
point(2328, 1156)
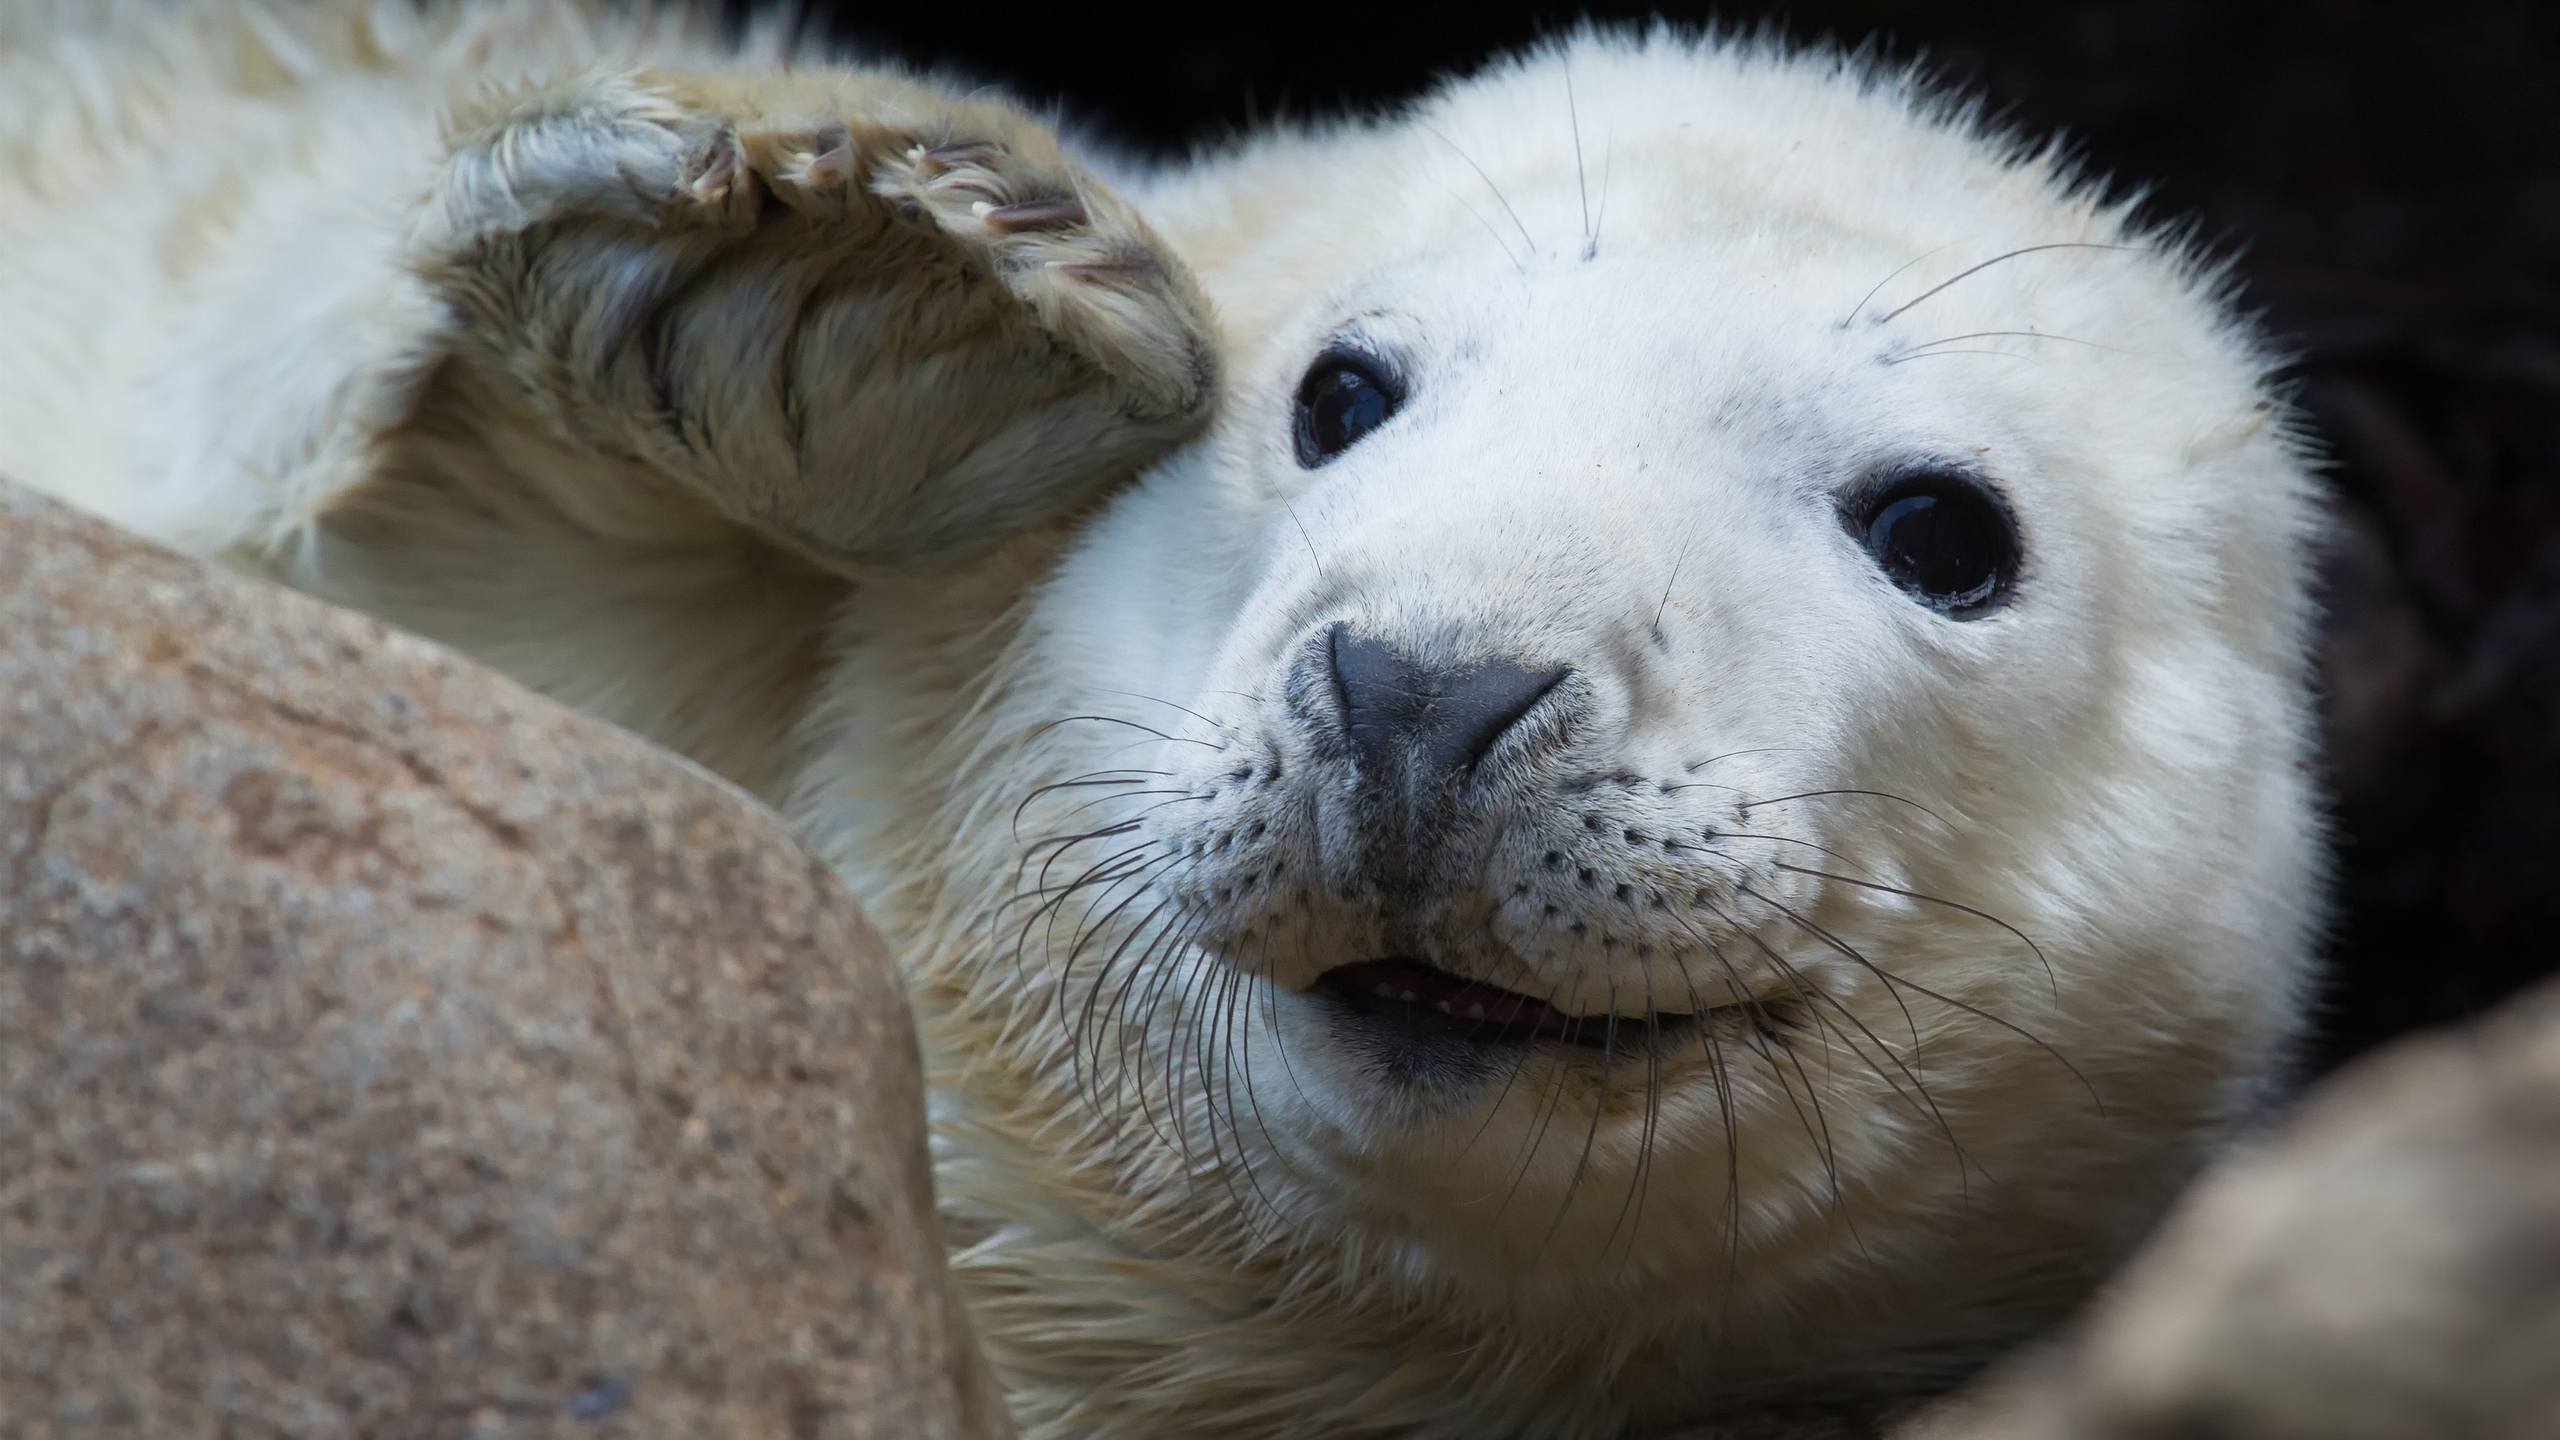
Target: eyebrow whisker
point(2018, 334)
point(1967, 273)
point(1499, 198)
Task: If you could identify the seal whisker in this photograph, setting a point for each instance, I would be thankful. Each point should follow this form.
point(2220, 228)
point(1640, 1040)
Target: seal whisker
point(1851, 317)
point(1845, 948)
point(1312, 557)
point(1637, 1179)
point(1073, 811)
point(1048, 848)
point(1893, 982)
point(1545, 1110)
point(1177, 1056)
point(1051, 908)
point(2013, 334)
point(1909, 356)
point(1608, 165)
point(1059, 845)
point(1599, 1106)
point(1162, 959)
point(1694, 766)
point(1135, 868)
point(1279, 1036)
point(1668, 585)
point(995, 912)
point(1725, 834)
point(1116, 720)
point(1209, 720)
point(1093, 996)
point(1983, 915)
point(1721, 1077)
point(1218, 1067)
point(1203, 1058)
point(1222, 1046)
point(1966, 274)
point(1149, 978)
point(1236, 1027)
point(1870, 794)
point(1518, 265)
point(1499, 198)
point(1925, 1102)
point(1818, 1128)
point(1581, 179)
point(1091, 926)
point(1519, 1065)
point(1129, 777)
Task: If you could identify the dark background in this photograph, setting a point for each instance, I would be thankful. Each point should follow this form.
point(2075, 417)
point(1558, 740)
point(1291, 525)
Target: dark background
point(2391, 174)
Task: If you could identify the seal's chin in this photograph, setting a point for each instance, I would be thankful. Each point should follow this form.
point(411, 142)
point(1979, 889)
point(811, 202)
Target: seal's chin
point(1413, 1001)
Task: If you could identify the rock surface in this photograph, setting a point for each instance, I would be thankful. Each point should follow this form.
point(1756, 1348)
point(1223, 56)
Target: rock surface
point(387, 1051)
point(2386, 1267)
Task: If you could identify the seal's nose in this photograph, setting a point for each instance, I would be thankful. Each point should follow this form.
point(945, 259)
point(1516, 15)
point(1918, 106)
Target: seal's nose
point(1433, 722)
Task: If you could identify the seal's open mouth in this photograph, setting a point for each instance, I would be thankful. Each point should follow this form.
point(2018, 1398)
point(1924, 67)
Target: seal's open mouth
point(1435, 1002)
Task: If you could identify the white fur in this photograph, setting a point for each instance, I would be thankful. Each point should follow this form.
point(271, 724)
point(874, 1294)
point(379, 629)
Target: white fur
point(1621, 425)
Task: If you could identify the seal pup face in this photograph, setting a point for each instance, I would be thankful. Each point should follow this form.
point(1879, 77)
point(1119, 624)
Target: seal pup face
point(1731, 710)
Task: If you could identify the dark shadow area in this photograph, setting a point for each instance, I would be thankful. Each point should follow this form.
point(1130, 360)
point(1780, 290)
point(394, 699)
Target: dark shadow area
point(2391, 174)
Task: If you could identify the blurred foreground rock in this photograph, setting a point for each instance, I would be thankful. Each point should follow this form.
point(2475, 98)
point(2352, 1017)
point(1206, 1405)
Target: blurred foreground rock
point(386, 1051)
point(2387, 1267)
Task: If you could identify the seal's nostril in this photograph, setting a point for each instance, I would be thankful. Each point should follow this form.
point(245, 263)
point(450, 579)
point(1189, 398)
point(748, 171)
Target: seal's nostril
point(1441, 720)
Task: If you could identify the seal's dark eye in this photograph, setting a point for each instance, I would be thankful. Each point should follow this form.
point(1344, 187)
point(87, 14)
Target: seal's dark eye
point(1343, 398)
point(1944, 538)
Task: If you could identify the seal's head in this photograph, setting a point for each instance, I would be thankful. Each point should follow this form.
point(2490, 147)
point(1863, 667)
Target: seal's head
point(1736, 719)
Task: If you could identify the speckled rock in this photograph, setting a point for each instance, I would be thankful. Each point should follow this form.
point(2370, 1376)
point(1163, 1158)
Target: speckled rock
point(2387, 1267)
point(387, 1051)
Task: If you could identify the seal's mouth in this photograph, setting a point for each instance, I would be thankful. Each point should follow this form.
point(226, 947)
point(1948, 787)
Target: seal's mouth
point(1434, 1002)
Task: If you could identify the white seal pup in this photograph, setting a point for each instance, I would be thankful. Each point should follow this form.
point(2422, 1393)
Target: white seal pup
point(1628, 744)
